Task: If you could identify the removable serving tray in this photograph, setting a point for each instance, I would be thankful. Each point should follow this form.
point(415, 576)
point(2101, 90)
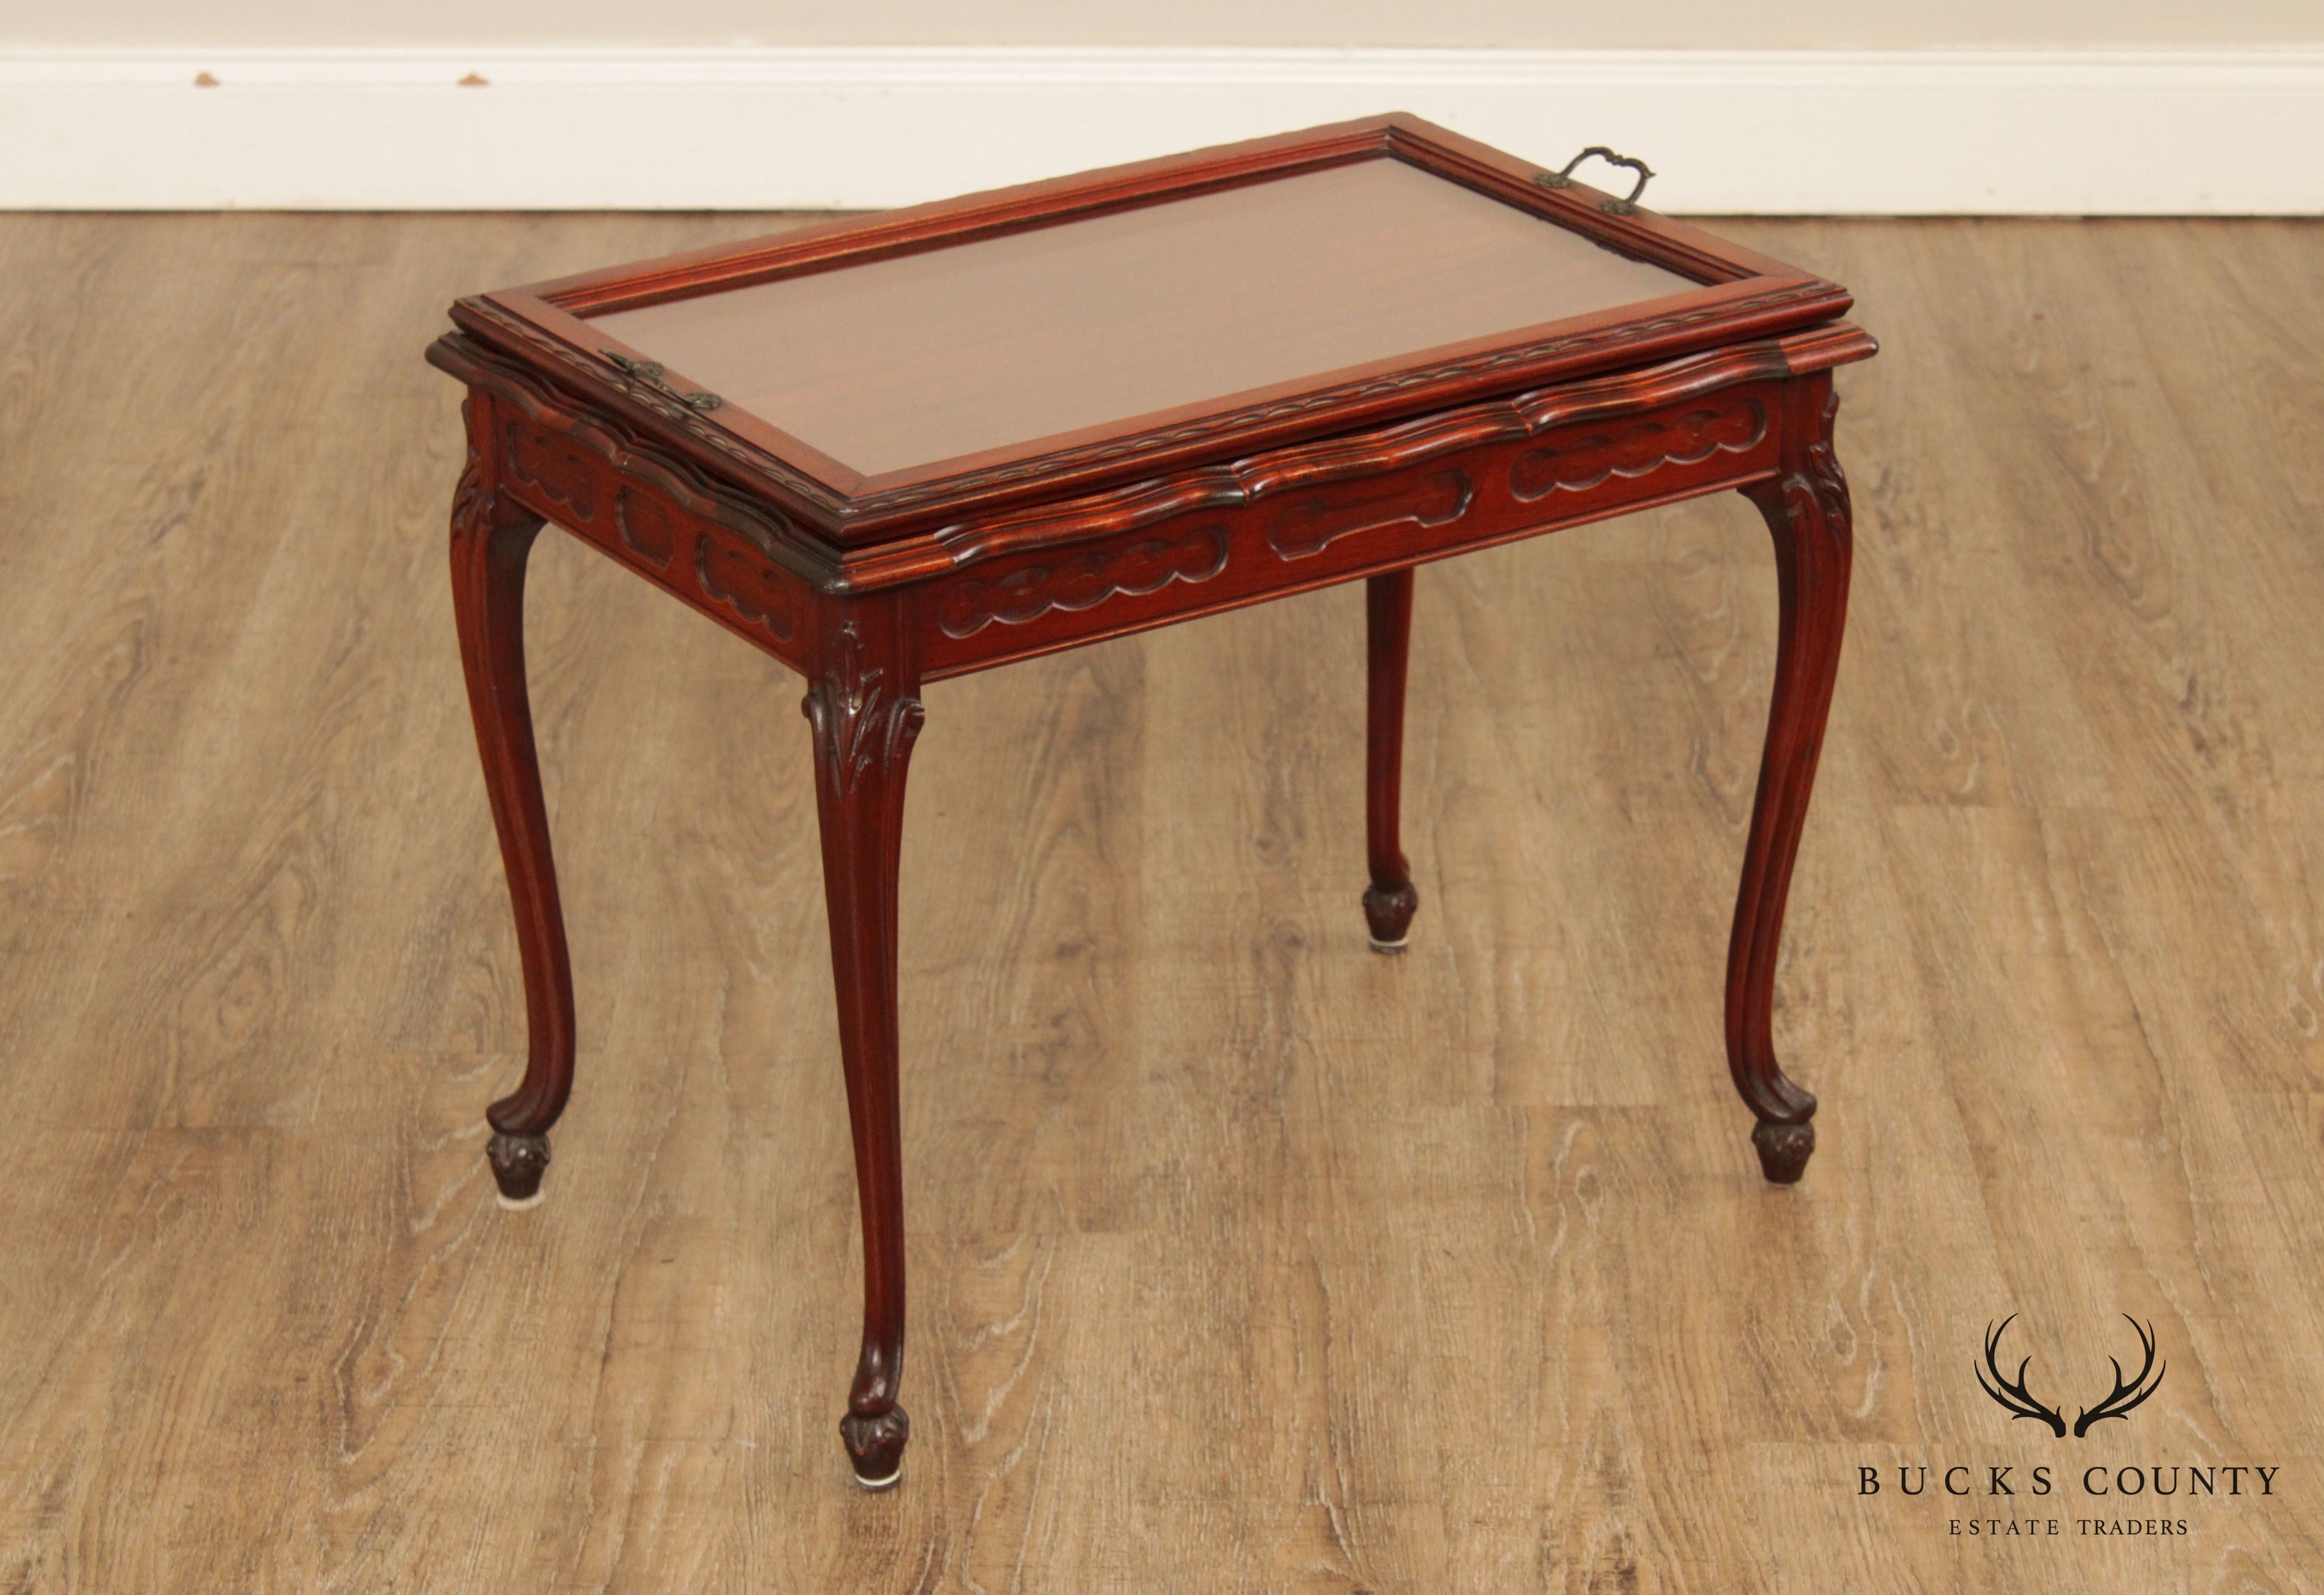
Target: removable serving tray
point(878, 375)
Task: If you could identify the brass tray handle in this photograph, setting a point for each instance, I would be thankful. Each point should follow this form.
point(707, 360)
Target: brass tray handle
point(1626, 205)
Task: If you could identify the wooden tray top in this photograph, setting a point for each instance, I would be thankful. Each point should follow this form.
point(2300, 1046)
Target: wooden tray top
point(878, 374)
point(998, 345)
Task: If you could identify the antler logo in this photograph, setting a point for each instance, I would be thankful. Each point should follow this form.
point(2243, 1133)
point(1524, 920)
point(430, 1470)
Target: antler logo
point(2125, 1396)
point(2020, 1403)
point(2015, 1396)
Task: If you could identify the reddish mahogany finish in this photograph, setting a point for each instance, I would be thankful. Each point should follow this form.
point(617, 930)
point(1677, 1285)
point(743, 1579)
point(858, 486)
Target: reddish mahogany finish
point(1391, 900)
point(868, 585)
point(492, 537)
point(561, 329)
point(888, 365)
point(1807, 511)
point(864, 702)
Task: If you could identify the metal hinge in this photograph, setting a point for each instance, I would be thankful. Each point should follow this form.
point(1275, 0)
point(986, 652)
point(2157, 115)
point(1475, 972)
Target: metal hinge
point(651, 371)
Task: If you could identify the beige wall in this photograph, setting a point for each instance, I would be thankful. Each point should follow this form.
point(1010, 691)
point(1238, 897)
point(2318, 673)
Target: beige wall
point(1528, 24)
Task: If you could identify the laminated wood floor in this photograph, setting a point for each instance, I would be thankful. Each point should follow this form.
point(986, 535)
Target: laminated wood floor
point(1242, 1259)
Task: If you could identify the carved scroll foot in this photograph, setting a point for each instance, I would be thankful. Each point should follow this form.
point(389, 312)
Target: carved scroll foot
point(518, 1163)
point(1388, 911)
point(1784, 1150)
point(875, 1445)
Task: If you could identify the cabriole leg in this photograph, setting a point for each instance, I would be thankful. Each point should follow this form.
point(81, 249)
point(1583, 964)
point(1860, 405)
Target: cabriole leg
point(1391, 900)
point(1807, 511)
point(865, 707)
point(492, 537)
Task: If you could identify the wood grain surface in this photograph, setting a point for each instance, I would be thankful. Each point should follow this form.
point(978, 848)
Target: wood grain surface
point(920, 357)
point(1243, 1259)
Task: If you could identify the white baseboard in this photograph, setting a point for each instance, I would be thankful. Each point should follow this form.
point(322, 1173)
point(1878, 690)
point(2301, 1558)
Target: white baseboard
point(1837, 132)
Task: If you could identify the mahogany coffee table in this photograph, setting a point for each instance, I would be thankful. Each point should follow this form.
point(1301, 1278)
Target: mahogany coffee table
point(901, 447)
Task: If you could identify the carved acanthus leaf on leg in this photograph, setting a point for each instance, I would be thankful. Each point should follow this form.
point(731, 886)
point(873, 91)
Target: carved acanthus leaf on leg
point(474, 503)
point(1816, 495)
point(855, 718)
